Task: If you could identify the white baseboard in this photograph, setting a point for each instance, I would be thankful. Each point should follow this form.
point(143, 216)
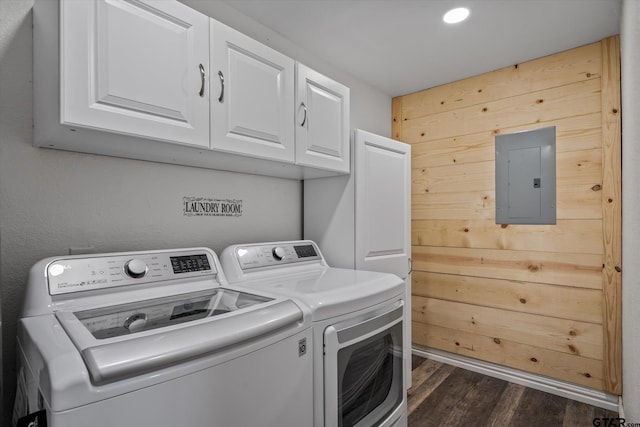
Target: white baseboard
point(538, 382)
point(620, 407)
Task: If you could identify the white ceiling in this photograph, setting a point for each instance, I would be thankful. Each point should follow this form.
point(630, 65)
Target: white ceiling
point(401, 46)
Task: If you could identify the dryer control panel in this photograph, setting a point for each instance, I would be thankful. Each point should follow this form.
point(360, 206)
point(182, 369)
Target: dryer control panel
point(271, 254)
point(91, 273)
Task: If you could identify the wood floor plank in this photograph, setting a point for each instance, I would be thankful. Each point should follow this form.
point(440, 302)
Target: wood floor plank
point(605, 413)
point(539, 408)
point(478, 402)
point(416, 361)
point(438, 406)
point(507, 405)
point(427, 388)
point(578, 414)
point(421, 373)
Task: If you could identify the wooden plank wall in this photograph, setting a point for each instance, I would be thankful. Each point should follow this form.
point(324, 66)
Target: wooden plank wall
point(541, 298)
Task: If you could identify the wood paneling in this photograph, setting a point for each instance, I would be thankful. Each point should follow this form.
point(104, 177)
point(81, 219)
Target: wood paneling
point(573, 168)
point(562, 335)
point(572, 133)
point(564, 101)
point(458, 205)
point(567, 367)
point(612, 212)
point(396, 118)
point(575, 236)
point(564, 302)
point(565, 269)
point(575, 201)
point(527, 286)
point(552, 71)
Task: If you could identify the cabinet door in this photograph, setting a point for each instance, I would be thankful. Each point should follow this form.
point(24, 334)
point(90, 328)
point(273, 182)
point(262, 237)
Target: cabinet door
point(251, 96)
point(322, 121)
point(136, 68)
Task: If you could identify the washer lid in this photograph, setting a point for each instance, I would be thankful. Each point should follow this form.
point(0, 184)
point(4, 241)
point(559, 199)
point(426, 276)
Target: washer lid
point(331, 292)
point(128, 319)
point(126, 340)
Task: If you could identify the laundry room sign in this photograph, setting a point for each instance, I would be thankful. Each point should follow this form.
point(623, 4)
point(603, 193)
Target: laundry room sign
point(204, 206)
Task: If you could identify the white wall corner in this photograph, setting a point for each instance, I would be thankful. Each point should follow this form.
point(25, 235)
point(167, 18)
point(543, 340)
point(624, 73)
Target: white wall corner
point(630, 91)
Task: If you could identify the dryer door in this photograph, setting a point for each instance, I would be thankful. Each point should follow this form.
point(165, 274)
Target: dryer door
point(363, 370)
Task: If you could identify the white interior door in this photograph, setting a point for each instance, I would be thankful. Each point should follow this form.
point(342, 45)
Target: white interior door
point(383, 204)
point(383, 215)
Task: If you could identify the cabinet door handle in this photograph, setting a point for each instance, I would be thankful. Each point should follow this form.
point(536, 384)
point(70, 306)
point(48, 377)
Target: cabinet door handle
point(221, 76)
point(304, 107)
point(201, 93)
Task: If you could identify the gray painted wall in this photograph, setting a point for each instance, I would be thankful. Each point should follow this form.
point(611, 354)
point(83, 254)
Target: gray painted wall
point(53, 200)
point(630, 57)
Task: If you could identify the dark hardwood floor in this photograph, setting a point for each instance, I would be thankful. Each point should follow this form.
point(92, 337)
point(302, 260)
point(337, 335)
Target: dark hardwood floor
point(443, 395)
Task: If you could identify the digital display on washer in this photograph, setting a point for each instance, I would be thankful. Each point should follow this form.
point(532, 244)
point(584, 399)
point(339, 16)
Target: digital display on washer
point(190, 263)
point(305, 251)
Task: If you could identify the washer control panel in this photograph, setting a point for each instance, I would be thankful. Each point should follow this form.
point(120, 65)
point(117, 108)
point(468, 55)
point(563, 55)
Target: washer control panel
point(91, 273)
point(258, 256)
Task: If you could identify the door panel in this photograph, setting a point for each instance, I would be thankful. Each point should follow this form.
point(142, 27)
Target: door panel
point(254, 116)
point(383, 202)
point(524, 197)
point(322, 121)
point(133, 67)
point(252, 89)
point(383, 215)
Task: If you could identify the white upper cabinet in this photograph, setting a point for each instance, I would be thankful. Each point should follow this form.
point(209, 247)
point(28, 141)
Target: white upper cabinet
point(156, 80)
point(322, 121)
point(136, 68)
point(252, 97)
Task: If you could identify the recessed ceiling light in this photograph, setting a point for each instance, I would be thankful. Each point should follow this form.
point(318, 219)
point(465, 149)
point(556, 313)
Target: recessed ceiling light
point(456, 15)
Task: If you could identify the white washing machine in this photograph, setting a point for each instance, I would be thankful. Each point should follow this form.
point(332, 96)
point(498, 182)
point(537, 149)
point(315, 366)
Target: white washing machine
point(357, 328)
point(155, 339)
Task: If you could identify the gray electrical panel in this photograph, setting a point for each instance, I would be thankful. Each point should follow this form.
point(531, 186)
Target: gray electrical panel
point(526, 177)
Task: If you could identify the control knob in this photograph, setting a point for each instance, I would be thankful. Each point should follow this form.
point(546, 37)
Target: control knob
point(136, 322)
point(278, 253)
point(135, 268)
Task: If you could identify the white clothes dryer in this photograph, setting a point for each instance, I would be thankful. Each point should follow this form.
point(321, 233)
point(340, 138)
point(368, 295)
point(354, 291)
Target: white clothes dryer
point(156, 339)
point(357, 328)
